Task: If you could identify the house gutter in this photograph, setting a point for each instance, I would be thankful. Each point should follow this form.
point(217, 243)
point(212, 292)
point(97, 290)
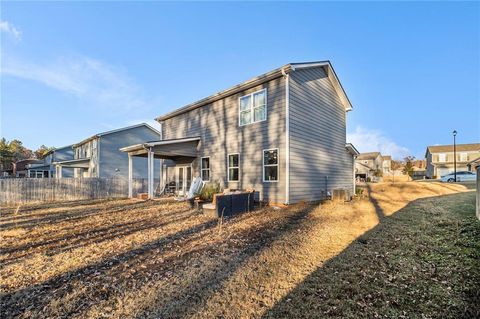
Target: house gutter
point(286, 75)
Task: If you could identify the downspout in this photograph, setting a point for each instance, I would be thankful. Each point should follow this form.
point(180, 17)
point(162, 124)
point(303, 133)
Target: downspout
point(287, 136)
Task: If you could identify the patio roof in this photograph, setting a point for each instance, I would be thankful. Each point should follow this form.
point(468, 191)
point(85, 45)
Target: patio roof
point(166, 149)
point(75, 163)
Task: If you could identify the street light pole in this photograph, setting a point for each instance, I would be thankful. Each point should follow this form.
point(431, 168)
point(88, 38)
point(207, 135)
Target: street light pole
point(454, 156)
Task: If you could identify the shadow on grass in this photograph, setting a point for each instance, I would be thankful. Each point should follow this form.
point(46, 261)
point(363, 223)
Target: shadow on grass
point(68, 215)
point(95, 236)
point(145, 264)
point(421, 261)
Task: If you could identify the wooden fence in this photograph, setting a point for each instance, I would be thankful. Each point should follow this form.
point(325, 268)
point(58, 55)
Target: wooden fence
point(26, 190)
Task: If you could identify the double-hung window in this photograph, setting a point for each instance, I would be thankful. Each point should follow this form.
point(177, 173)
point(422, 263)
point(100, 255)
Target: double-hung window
point(233, 167)
point(463, 157)
point(442, 157)
point(270, 165)
point(253, 107)
point(205, 168)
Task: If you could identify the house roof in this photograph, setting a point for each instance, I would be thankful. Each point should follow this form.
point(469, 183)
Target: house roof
point(352, 149)
point(21, 165)
point(115, 131)
point(474, 163)
point(276, 73)
point(387, 157)
point(140, 146)
point(56, 149)
point(368, 156)
point(449, 148)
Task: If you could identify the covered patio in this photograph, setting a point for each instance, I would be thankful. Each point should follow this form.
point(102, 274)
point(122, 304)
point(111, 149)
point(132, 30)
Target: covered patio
point(82, 163)
point(182, 150)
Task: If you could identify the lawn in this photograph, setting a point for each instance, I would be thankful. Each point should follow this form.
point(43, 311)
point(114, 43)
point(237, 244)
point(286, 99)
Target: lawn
point(404, 250)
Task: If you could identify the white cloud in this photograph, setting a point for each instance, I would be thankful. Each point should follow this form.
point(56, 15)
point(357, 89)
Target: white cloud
point(97, 83)
point(8, 28)
point(367, 140)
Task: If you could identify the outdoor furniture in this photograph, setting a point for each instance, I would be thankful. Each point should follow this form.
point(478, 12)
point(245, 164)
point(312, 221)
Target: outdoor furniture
point(195, 188)
point(225, 205)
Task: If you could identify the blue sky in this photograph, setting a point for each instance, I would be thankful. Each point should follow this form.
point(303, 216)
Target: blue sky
point(69, 70)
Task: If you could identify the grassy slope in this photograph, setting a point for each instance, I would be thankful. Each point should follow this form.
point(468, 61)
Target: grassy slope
point(422, 261)
point(150, 259)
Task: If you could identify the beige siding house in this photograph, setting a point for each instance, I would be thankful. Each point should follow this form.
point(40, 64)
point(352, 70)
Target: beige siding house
point(440, 159)
point(282, 133)
point(368, 165)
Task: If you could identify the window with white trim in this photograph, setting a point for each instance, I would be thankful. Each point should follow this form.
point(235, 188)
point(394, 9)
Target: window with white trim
point(270, 165)
point(253, 107)
point(233, 165)
point(205, 168)
point(463, 157)
point(442, 157)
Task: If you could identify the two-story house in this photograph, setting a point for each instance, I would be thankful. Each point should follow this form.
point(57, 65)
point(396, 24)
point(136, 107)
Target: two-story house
point(282, 133)
point(99, 155)
point(387, 165)
point(46, 168)
point(440, 158)
point(369, 165)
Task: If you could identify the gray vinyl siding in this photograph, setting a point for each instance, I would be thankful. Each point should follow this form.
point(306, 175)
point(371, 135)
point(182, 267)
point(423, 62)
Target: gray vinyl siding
point(111, 158)
point(218, 126)
point(317, 137)
point(430, 171)
point(63, 154)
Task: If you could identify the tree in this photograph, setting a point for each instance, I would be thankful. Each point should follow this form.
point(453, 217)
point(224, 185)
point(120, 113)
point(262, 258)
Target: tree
point(6, 155)
point(11, 152)
point(408, 167)
point(396, 165)
point(42, 150)
point(19, 151)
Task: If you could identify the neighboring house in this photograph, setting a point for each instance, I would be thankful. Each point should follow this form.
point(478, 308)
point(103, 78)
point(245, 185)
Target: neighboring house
point(440, 161)
point(368, 165)
point(99, 155)
point(47, 169)
point(419, 169)
point(282, 133)
point(387, 165)
point(20, 168)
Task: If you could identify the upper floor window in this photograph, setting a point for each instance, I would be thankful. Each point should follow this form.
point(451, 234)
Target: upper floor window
point(442, 157)
point(463, 157)
point(253, 107)
point(233, 167)
point(270, 165)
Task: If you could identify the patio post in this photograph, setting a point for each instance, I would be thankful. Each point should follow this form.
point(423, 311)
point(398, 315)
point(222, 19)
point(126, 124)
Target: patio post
point(59, 171)
point(150, 173)
point(130, 176)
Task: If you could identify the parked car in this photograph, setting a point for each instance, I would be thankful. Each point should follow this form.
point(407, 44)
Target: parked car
point(461, 177)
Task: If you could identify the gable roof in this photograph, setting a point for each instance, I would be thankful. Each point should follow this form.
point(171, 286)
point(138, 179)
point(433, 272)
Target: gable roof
point(115, 131)
point(56, 149)
point(276, 73)
point(459, 148)
point(368, 156)
point(387, 157)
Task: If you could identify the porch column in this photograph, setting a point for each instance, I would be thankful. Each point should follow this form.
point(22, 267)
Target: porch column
point(59, 171)
point(150, 173)
point(130, 176)
point(161, 174)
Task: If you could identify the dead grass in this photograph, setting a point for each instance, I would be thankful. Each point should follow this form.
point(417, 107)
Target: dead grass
point(123, 258)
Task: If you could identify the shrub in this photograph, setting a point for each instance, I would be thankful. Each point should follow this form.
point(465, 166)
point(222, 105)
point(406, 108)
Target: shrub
point(369, 179)
point(209, 190)
point(359, 192)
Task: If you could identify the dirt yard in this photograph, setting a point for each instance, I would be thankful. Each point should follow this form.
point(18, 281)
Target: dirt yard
point(404, 250)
